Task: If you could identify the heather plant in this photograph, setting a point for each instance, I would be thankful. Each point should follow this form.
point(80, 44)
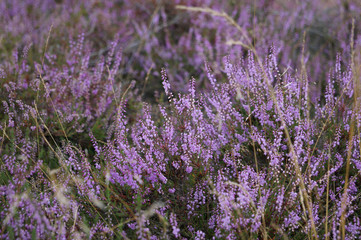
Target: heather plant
point(248, 137)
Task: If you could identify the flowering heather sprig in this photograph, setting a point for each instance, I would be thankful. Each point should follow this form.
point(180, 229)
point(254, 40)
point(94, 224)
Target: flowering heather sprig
point(166, 84)
point(174, 224)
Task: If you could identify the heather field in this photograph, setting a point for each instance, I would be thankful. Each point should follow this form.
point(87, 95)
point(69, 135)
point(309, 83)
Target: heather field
point(180, 119)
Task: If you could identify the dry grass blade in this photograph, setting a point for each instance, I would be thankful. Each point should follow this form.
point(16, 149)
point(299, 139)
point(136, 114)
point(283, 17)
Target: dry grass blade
point(327, 191)
point(46, 45)
point(354, 123)
point(224, 15)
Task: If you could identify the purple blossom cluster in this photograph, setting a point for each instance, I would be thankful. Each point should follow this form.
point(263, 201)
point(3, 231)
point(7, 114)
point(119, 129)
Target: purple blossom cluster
point(180, 120)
